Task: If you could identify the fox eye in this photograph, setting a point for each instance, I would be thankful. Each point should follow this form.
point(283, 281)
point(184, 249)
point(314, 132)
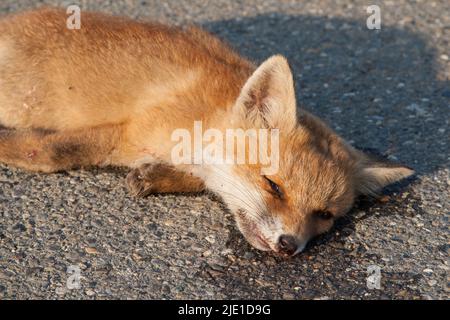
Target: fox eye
point(323, 214)
point(275, 188)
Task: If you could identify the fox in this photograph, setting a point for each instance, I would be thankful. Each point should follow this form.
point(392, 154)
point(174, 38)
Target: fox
point(112, 92)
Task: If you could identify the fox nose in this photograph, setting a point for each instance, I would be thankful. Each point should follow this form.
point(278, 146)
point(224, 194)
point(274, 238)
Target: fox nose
point(287, 244)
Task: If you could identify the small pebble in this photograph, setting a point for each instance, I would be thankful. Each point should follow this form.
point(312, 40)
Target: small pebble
point(90, 292)
point(429, 271)
point(90, 250)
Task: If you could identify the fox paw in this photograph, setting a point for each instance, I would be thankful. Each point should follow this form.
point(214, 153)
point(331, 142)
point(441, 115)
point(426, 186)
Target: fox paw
point(139, 183)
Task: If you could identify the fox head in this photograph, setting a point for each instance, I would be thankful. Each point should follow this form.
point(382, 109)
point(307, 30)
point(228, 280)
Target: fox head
point(319, 175)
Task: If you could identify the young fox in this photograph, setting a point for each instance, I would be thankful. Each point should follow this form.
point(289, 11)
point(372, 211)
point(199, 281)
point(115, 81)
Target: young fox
point(114, 91)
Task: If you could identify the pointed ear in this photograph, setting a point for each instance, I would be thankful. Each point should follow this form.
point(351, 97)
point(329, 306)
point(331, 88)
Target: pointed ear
point(267, 99)
point(375, 173)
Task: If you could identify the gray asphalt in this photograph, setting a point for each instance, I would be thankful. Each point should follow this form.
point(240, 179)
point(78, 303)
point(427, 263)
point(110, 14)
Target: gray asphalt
point(386, 89)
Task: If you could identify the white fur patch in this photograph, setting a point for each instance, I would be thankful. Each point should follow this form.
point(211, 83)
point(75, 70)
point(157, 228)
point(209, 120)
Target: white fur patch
point(239, 193)
point(236, 191)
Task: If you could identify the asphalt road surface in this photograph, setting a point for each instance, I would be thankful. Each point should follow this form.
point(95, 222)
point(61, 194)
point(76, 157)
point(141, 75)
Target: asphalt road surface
point(386, 89)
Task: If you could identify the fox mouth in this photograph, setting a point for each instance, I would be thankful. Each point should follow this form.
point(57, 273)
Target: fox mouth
point(251, 232)
point(262, 242)
point(258, 241)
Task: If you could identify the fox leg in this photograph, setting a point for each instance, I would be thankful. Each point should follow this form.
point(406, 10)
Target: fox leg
point(161, 178)
point(50, 151)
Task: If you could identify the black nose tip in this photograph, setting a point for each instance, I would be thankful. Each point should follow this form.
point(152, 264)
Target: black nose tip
point(287, 244)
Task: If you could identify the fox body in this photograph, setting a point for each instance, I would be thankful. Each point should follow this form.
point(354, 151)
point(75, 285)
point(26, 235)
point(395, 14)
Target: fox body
point(114, 91)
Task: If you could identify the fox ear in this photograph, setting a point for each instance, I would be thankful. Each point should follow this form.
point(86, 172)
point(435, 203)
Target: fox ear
point(375, 173)
point(267, 99)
